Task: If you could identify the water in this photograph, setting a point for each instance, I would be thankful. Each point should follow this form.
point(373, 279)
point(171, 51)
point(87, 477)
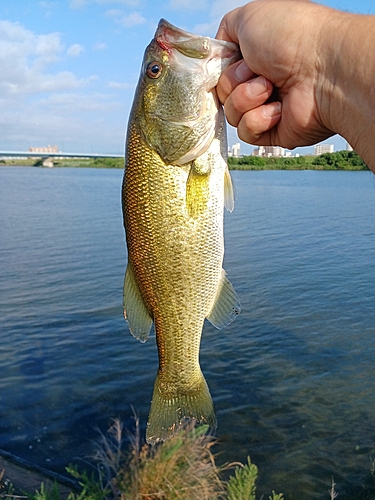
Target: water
point(292, 378)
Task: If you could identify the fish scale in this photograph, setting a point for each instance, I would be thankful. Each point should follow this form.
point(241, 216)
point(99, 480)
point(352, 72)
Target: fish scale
point(173, 218)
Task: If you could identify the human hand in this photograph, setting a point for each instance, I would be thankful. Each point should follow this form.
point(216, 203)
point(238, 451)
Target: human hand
point(277, 94)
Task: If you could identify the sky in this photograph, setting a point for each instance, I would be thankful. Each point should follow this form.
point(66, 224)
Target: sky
point(68, 68)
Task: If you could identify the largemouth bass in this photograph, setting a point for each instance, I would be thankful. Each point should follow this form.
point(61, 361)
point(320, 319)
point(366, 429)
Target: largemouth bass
point(175, 186)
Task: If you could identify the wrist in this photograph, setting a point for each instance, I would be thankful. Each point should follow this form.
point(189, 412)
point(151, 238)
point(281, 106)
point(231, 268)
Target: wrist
point(345, 92)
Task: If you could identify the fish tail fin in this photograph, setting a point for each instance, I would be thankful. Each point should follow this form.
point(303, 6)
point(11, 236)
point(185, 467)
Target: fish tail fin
point(169, 411)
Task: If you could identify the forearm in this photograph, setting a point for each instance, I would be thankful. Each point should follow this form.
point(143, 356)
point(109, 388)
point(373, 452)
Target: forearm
point(347, 90)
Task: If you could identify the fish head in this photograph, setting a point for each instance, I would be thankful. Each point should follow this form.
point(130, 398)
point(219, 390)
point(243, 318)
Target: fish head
point(176, 103)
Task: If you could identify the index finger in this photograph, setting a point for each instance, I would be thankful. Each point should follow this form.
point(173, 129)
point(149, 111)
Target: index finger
point(224, 32)
point(232, 76)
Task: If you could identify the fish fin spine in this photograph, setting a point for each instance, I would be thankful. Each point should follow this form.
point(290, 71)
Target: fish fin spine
point(169, 412)
point(135, 311)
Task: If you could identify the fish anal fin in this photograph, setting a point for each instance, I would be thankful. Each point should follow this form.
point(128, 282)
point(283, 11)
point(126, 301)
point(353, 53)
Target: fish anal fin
point(170, 410)
point(226, 305)
point(135, 311)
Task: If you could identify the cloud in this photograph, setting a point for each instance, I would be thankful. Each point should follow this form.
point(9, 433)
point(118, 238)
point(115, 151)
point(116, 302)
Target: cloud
point(126, 20)
point(43, 105)
point(217, 11)
point(75, 50)
point(221, 7)
point(69, 119)
point(121, 85)
point(129, 3)
point(99, 46)
point(63, 103)
point(186, 4)
point(24, 57)
point(78, 4)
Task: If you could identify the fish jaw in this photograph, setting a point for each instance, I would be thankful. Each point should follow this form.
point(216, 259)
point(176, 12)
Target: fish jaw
point(217, 54)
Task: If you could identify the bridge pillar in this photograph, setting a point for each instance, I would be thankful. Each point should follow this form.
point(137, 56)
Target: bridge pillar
point(48, 162)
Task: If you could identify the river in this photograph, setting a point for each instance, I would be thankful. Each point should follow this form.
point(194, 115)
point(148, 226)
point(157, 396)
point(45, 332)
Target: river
point(292, 378)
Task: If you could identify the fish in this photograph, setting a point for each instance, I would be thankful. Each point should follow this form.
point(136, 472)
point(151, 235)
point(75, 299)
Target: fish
point(175, 186)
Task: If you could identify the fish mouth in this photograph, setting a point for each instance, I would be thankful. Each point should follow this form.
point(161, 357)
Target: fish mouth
point(171, 37)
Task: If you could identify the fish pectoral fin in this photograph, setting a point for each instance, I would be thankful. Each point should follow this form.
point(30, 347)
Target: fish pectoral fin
point(226, 304)
point(197, 191)
point(228, 191)
point(171, 407)
point(135, 311)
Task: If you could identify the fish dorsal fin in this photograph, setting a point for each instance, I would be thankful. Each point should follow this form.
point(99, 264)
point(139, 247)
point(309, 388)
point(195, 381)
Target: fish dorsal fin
point(135, 311)
point(226, 305)
point(228, 191)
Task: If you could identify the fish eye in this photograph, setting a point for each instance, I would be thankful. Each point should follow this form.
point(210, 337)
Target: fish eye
point(154, 69)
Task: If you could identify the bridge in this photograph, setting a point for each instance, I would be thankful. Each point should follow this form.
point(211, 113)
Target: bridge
point(48, 157)
point(59, 154)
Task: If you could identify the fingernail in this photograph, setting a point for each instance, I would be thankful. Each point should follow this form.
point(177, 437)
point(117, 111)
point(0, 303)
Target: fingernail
point(257, 86)
point(272, 109)
point(243, 72)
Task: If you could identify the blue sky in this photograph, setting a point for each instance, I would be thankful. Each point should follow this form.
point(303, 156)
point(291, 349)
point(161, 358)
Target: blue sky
point(68, 68)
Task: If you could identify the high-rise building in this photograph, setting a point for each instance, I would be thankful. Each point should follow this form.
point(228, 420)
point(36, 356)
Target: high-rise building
point(320, 149)
point(44, 149)
point(258, 151)
point(236, 150)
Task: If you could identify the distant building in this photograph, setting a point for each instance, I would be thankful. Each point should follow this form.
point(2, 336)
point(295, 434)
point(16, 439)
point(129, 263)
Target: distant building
point(234, 150)
point(258, 151)
point(348, 147)
point(320, 149)
point(270, 151)
point(44, 149)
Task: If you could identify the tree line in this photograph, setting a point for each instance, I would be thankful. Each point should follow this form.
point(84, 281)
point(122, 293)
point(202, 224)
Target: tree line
point(342, 160)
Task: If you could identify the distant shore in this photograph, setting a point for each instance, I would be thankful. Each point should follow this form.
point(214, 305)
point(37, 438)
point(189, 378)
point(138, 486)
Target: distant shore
point(342, 160)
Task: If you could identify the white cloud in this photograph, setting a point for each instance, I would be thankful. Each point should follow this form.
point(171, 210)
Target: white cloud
point(186, 4)
point(41, 104)
point(75, 50)
point(132, 19)
point(207, 29)
point(99, 46)
point(221, 7)
point(77, 4)
point(217, 11)
point(24, 57)
point(121, 85)
point(129, 3)
point(63, 103)
point(126, 20)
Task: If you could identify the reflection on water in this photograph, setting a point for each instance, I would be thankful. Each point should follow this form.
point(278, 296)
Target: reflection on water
point(292, 377)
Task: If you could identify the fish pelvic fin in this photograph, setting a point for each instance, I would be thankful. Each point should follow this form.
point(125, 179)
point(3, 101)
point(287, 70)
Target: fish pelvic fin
point(169, 411)
point(226, 305)
point(135, 311)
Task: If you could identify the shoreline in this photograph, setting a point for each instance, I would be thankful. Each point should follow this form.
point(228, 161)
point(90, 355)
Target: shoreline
point(340, 161)
point(25, 478)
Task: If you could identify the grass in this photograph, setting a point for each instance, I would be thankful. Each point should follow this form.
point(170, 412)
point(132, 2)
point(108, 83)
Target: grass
point(182, 468)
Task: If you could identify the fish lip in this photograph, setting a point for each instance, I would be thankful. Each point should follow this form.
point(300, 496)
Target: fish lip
point(171, 37)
